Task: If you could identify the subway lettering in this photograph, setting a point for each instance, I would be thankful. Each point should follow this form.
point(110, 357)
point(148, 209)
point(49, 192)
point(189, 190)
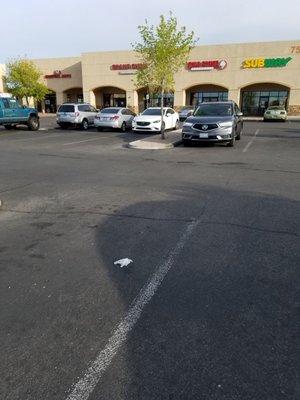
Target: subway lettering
point(266, 63)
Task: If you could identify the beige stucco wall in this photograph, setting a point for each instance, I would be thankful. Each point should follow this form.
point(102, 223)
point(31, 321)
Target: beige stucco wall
point(67, 65)
point(92, 71)
point(234, 77)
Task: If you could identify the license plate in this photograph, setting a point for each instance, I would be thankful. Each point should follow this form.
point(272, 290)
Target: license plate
point(104, 118)
point(203, 135)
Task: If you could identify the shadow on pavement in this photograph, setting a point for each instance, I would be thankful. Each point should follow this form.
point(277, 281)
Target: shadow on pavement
point(222, 324)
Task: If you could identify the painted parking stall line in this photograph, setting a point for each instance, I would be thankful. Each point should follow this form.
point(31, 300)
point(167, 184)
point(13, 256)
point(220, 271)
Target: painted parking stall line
point(251, 141)
point(82, 141)
point(86, 385)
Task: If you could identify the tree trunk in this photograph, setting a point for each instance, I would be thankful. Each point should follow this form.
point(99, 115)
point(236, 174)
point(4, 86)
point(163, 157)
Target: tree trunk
point(27, 101)
point(162, 129)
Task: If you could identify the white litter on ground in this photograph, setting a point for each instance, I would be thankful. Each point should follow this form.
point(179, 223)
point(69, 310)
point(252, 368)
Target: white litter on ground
point(123, 262)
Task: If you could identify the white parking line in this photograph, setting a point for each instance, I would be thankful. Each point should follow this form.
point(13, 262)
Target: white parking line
point(251, 141)
point(82, 141)
point(45, 135)
point(86, 385)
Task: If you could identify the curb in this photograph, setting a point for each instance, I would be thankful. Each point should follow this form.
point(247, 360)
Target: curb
point(147, 144)
point(140, 145)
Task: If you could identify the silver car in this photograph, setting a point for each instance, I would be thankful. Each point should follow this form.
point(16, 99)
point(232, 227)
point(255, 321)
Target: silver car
point(185, 112)
point(76, 114)
point(214, 122)
point(114, 118)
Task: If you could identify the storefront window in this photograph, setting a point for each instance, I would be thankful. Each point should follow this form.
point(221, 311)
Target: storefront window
point(155, 100)
point(200, 97)
point(255, 103)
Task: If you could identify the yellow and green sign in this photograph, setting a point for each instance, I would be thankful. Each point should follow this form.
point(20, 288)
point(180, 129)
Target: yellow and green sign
point(266, 62)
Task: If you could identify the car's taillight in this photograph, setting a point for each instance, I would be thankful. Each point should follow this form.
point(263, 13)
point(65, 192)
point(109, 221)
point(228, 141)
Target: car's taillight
point(77, 114)
point(114, 118)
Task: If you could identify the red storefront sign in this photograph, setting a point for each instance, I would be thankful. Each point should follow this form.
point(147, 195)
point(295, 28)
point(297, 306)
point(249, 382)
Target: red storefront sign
point(58, 74)
point(206, 65)
point(124, 67)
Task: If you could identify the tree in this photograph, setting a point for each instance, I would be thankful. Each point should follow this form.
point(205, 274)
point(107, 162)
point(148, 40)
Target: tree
point(163, 51)
point(23, 80)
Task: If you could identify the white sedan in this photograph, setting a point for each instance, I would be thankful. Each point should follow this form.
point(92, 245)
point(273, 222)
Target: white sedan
point(150, 120)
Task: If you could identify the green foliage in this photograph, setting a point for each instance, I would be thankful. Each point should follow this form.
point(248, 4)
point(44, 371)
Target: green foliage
point(22, 80)
point(164, 50)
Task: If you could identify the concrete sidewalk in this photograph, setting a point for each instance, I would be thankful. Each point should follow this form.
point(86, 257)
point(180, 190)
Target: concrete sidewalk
point(154, 142)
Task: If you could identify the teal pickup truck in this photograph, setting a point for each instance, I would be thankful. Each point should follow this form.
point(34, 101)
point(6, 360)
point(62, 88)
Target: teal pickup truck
point(13, 114)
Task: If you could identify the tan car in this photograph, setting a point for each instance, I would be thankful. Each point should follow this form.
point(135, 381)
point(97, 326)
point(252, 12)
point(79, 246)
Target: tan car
point(275, 113)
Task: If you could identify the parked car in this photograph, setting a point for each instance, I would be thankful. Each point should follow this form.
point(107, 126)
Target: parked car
point(12, 113)
point(76, 114)
point(214, 122)
point(275, 113)
point(114, 118)
point(150, 120)
point(185, 112)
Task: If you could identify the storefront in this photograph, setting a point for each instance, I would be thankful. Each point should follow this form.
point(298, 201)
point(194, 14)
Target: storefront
point(254, 75)
point(257, 98)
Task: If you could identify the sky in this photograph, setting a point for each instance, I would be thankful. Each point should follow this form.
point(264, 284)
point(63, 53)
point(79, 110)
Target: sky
point(58, 28)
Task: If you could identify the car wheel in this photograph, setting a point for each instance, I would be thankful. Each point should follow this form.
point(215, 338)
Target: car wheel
point(33, 123)
point(176, 125)
point(232, 140)
point(85, 124)
point(238, 136)
point(99, 129)
point(123, 127)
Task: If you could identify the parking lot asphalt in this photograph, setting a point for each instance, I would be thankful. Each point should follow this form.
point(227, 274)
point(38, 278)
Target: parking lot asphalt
point(207, 308)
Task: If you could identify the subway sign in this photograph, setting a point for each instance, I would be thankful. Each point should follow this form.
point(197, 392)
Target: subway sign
point(266, 62)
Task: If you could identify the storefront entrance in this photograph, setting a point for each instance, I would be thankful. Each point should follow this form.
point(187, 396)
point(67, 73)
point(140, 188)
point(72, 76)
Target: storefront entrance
point(147, 99)
point(73, 95)
point(114, 100)
point(198, 94)
point(50, 103)
point(257, 98)
point(109, 96)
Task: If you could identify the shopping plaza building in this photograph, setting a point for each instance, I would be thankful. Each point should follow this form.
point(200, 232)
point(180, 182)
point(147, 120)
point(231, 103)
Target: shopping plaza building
point(254, 75)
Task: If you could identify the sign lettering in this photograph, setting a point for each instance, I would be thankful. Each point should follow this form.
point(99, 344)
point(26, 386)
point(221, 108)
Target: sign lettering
point(266, 62)
point(58, 74)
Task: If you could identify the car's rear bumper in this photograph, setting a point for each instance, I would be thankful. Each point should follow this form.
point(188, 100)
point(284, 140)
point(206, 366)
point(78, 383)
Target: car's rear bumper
point(107, 124)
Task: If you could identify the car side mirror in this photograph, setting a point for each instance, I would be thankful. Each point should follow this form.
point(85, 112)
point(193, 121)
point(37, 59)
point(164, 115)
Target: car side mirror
point(168, 114)
point(239, 114)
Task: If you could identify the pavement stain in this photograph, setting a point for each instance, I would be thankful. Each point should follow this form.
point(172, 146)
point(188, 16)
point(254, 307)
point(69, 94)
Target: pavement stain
point(38, 256)
point(42, 225)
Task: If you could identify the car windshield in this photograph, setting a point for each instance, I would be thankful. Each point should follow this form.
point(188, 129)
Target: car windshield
point(66, 108)
point(109, 111)
point(276, 108)
point(151, 111)
point(213, 110)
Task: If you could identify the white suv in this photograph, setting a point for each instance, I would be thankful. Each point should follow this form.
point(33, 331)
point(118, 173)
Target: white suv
point(74, 114)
